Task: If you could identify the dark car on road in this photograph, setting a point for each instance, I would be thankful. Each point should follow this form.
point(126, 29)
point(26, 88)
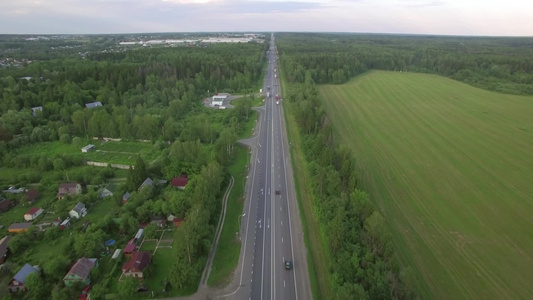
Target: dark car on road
point(288, 264)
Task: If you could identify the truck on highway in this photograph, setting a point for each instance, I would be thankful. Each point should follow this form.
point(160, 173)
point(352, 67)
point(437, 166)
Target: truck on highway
point(275, 75)
point(268, 94)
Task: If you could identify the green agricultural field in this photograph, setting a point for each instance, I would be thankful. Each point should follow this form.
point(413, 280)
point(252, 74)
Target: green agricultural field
point(451, 167)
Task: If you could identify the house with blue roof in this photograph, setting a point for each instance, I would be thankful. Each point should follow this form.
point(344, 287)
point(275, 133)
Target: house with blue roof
point(93, 104)
point(125, 198)
point(147, 182)
point(17, 283)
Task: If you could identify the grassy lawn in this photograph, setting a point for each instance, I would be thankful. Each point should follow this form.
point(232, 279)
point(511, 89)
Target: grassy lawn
point(14, 215)
point(100, 209)
point(38, 253)
point(228, 250)
point(148, 246)
point(162, 266)
point(316, 256)
point(110, 152)
point(451, 168)
point(9, 176)
point(167, 235)
point(50, 149)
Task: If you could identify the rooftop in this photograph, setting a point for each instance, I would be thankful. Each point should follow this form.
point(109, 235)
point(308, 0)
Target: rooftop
point(82, 268)
point(24, 272)
point(33, 210)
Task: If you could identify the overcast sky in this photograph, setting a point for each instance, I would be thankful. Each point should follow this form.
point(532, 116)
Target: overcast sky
point(449, 17)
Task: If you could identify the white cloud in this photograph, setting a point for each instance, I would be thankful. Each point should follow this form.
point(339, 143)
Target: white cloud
point(488, 17)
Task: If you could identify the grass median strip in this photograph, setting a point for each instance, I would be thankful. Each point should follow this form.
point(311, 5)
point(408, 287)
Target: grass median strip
point(229, 245)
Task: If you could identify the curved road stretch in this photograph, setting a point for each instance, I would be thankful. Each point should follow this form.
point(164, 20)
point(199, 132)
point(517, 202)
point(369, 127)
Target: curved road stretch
point(271, 225)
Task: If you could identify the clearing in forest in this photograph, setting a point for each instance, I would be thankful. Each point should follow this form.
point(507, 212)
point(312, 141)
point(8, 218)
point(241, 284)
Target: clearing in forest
point(451, 167)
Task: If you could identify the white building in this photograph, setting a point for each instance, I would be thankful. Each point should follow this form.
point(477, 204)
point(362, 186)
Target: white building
point(87, 148)
point(218, 100)
point(79, 211)
point(33, 213)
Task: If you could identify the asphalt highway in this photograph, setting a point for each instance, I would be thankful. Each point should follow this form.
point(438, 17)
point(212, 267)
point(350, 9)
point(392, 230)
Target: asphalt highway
point(271, 228)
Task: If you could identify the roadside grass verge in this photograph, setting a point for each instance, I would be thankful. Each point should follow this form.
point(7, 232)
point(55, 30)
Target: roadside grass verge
point(316, 257)
point(229, 246)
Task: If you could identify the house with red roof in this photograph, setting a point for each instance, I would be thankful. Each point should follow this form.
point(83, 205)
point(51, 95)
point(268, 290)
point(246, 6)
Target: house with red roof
point(5, 204)
point(136, 265)
point(33, 213)
point(31, 195)
point(130, 248)
point(180, 182)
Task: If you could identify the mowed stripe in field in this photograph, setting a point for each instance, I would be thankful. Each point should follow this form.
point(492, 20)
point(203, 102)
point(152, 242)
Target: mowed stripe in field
point(451, 166)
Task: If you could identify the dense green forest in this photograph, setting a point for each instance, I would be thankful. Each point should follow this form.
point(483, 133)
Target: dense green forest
point(149, 94)
point(494, 63)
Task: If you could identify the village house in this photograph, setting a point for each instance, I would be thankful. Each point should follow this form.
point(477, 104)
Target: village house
point(147, 182)
point(158, 221)
point(130, 248)
point(68, 189)
point(88, 148)
point(19, 227)
point(65, 223)
point(137, 264)
point(125, 198)
point(33, 213)
point(31, 195)
point(79, 211)
point(93, 104)
point(4, 250)
point(180, 182)
point(107, 191)
point(80, 272)
point(35, 109)
point(17, 283)
point(138, 235)
point(5, 204)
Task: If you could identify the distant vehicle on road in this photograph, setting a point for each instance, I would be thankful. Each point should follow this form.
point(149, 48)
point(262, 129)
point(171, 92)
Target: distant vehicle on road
point(278, 192)
point(288, 265)
point(277, 102)
point(277, 97)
